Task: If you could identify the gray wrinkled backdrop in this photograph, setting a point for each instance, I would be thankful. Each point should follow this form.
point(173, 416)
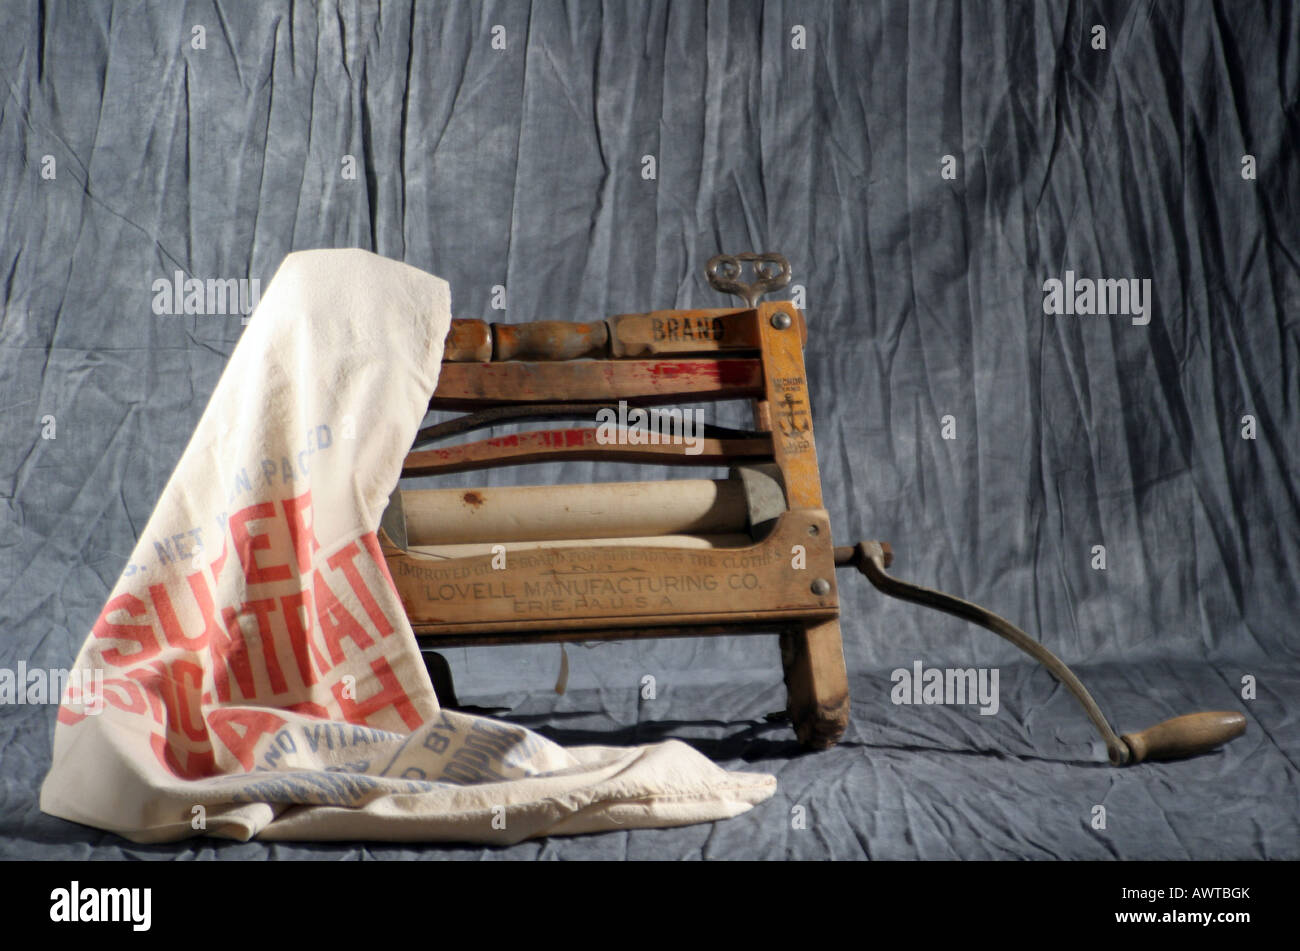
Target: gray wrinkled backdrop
point(523, 167)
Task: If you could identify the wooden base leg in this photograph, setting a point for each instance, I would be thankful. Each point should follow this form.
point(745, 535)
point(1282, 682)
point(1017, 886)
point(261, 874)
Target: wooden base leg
point(440, 673)
point(816, 683)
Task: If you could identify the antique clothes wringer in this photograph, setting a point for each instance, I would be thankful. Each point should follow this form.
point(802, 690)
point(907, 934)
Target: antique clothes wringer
point(748, 554)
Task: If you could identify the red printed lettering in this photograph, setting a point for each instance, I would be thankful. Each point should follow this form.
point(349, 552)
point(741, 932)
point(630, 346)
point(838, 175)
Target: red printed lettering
point(336, 622)
point(262, 610)
point(247, 545)
point(230, 655)
point(390, 694)
point(296, 608)
point(141, 634)
point(300, 530)
point(171, 625)
point(343, 560)
point(240, 730)
point(198, 763)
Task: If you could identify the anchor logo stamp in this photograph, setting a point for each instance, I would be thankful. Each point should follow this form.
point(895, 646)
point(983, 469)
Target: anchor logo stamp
point(795, 417)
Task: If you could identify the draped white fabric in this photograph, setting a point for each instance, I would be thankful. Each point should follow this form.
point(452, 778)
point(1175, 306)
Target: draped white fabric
point(253, 673)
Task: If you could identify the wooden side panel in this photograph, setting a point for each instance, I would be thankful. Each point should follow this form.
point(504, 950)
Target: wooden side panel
point(606, 586)
point(817, 683)
point(470, 386)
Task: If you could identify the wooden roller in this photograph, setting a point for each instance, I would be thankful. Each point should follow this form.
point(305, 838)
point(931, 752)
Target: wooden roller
point(623, 510)
point(475, 549)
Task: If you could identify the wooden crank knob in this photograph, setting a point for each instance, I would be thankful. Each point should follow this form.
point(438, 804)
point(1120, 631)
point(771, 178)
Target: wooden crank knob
point(1188, 735)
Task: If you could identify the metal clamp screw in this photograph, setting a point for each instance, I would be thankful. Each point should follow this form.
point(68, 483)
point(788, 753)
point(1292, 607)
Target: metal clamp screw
point(771, 272)
point(781, 320)
point(821, 587)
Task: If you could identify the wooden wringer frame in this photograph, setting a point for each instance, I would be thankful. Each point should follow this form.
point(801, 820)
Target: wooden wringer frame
point(749, 554)
point(626, 560)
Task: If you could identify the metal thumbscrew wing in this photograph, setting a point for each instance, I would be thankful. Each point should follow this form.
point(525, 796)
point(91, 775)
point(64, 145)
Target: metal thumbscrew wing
point(771, 272)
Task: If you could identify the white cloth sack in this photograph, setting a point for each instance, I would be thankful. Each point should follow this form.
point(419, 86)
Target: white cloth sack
point(253, 672)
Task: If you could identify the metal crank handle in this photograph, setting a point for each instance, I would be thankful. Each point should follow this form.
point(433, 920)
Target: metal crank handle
point(1179, 737)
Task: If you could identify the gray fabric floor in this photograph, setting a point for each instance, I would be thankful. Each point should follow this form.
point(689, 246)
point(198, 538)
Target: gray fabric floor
point(820, 130)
